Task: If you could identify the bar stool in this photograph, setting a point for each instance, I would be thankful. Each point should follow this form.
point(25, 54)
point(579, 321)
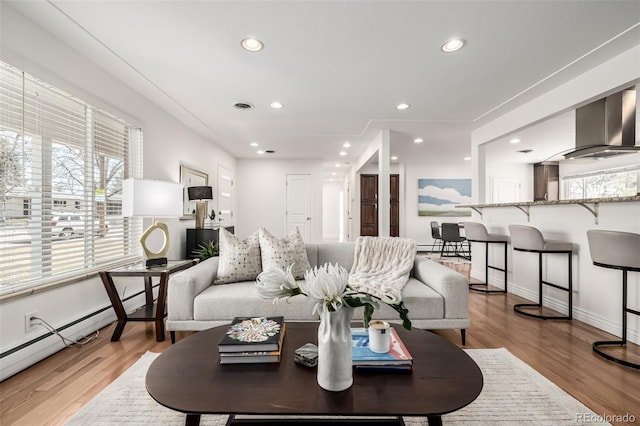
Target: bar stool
point(435, 234)
point(451, 235)
point(477, 233)
point(616, 250)
point(529, 239)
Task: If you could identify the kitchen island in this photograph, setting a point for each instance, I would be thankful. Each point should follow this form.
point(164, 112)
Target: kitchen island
point(597, 294)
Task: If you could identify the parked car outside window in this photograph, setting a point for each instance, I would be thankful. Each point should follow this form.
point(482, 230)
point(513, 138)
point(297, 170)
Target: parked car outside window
point(66, 225)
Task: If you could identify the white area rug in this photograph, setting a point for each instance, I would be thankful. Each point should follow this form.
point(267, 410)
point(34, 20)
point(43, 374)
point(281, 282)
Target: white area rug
point(513, 393)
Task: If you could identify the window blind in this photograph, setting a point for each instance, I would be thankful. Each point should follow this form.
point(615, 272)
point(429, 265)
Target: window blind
point(62, 163)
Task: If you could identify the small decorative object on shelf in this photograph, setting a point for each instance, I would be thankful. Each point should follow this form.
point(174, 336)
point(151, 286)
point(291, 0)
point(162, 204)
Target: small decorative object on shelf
point(306, 355)
point(328, 285)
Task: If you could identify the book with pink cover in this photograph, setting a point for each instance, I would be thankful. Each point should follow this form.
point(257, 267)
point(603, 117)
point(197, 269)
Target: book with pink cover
point(362, 355)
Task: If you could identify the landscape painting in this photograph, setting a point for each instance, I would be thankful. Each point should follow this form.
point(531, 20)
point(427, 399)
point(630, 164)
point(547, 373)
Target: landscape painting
point(439, 197)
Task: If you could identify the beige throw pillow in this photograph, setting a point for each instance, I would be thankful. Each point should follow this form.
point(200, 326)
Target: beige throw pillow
point(281, 253)
point(239, 259)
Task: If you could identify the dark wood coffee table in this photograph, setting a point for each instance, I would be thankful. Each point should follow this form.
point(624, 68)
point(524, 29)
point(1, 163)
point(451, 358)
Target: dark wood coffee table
point(188, 377)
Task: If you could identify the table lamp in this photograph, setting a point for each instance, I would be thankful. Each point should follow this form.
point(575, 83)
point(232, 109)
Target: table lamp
point(152, 198)
point(199, 193)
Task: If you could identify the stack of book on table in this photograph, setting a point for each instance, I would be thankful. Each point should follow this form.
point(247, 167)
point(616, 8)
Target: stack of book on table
point(364, 359)
point(252, 340)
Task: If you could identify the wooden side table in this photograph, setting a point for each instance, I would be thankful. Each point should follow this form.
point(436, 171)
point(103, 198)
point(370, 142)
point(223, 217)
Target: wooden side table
point(151, 311)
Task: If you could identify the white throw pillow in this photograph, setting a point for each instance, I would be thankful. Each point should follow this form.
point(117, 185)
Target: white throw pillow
point(239, 259)
point(281, 253)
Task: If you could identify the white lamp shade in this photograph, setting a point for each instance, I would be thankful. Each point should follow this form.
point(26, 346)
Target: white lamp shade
point(151, 198)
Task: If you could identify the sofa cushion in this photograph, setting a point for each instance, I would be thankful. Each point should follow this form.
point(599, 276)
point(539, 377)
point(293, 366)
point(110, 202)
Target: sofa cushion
point(340, 253)
point(223, 302)
point(421, 301)
point(242, 299)
point(285, 252)
point(239, 259)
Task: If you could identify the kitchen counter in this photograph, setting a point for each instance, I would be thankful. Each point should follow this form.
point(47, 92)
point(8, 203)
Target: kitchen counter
point(596, 290)
point(591, 204)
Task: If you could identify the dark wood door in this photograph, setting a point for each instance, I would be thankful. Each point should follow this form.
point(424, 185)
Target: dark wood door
point(394, 229)
point(369, 205)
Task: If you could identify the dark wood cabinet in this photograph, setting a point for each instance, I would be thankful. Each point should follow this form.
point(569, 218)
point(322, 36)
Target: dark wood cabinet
point(195, 237)
point(546, 181)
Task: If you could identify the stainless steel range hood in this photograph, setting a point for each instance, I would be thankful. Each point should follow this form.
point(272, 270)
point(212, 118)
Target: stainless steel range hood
point(606, 127)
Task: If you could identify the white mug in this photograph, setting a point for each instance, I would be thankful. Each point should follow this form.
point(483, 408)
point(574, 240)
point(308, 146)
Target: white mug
point(379, 336)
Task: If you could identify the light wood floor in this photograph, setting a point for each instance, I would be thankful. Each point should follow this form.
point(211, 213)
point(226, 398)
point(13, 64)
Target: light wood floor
point(53, 390)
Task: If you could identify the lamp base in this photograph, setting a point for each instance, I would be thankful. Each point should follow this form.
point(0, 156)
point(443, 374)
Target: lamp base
point(200, 213)
point(159, 261)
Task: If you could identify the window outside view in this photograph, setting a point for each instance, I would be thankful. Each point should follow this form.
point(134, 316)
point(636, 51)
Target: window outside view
point(62, 163)
point(606, 183)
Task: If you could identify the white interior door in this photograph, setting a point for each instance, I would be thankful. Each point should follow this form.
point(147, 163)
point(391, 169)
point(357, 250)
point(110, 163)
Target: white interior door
point(225, 196)
point(298, 211)
point(505, 190)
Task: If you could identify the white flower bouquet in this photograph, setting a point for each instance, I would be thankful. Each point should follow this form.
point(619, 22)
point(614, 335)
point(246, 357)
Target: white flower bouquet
point(329, 286)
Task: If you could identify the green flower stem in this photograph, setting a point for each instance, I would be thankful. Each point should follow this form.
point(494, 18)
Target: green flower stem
point(370, 305)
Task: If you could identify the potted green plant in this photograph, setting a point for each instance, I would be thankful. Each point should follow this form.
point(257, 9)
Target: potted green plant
point(207, 250)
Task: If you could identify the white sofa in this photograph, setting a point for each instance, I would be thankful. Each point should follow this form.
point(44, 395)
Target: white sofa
point(436, 296)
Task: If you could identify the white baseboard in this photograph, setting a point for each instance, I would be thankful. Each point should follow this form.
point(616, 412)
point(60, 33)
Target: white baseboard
point(28, 356)
point(579, 314)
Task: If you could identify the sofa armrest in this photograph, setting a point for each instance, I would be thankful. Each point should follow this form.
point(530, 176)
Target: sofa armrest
point(186, 285)
point(452, 285)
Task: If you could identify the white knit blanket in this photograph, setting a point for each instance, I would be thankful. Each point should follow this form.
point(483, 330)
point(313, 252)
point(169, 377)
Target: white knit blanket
point(382, 265)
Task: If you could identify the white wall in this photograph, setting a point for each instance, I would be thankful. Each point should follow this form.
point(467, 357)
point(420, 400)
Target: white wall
point(332, 193)
point(167, 144)
point(520, 172)
point(262, 194)
point(417, 227)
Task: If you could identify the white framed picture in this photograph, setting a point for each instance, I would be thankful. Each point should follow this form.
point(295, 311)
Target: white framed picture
point(190, 177)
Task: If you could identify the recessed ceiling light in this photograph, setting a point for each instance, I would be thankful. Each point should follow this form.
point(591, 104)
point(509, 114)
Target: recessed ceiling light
point(453, 45)
point(402, 106)
point(333, 173)
point(346, 145)
point(394, 157)
point(337, 164)
point(259, 152)
point(252, 44)
point(467, 158)
point(343, 153)
point(418, 140)
point(514, 141)
point(253, 144)
point(276, 105)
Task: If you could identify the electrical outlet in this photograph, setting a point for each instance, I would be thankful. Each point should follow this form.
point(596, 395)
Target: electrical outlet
point(29, 324)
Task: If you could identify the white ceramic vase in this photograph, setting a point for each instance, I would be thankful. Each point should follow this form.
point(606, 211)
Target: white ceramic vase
point(334, 349)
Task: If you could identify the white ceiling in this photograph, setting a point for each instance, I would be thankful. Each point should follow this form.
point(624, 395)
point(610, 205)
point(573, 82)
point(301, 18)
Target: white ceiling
point(340, 67)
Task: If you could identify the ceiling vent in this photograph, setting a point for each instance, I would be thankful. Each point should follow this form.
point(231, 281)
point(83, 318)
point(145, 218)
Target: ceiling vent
point(242, 105)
